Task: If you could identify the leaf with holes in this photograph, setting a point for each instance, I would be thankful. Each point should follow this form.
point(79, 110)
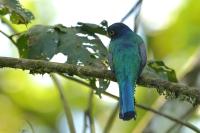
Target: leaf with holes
point(162, 70)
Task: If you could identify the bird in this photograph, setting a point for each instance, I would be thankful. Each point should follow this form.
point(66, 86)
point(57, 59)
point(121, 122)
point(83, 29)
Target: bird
point(127, 58)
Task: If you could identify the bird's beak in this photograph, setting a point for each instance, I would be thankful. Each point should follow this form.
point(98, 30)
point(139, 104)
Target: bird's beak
point(107, 34)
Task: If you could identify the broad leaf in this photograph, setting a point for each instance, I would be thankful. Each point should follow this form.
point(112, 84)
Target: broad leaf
point(162, 70)
point(18, 15)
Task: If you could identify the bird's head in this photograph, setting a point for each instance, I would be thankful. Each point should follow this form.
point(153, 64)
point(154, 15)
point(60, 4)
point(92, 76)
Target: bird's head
point(117, 30)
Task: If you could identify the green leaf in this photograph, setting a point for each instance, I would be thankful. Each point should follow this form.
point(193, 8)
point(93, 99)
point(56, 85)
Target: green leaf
point(18, 15)
point(22, 45)
point(4, 11)
point(80, 48)
point(99, 84)
point(102, 86)
point(162, 70)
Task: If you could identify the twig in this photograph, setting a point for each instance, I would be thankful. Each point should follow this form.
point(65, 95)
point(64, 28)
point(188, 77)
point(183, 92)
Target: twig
point(168, 88)
point(31, 126)
point(131, 11)
point(5, 34)
point(75, 79)
point(186, 124)
point(12, 28)
point(182, 117)
point(89, 113)
point(111, 119)
point(136, 24)
point(85, 122)
point(9, 37)
point(65, 104)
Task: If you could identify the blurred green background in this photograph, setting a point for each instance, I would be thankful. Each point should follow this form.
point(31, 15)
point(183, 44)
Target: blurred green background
point(31, 103)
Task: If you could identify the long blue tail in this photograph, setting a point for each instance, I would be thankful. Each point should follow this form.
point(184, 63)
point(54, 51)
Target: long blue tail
point(127, 107)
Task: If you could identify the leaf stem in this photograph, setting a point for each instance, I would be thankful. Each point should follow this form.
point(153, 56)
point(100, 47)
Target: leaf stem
point(9, 37)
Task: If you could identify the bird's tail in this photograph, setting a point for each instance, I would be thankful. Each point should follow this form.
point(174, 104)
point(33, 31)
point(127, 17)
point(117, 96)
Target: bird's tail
point(127, 107)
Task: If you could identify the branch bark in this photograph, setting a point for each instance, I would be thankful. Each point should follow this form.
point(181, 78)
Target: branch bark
point(170, 89)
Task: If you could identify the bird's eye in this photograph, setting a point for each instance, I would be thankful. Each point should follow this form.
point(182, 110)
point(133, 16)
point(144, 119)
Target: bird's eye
point(111, 33)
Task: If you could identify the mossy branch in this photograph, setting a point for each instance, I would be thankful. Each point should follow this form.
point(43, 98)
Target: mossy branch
point(169, 89)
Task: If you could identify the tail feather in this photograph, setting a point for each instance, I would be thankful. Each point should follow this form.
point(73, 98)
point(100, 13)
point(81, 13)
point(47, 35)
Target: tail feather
point(127, 104)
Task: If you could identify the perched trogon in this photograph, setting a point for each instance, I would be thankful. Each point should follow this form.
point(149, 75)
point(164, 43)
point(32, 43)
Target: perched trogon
point(127, 58)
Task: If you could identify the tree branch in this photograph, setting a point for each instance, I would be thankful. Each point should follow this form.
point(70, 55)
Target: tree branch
point(172, 90)
point(88, 112)
point(194, 128)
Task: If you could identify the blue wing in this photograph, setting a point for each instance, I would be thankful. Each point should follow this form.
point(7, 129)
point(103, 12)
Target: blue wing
point(143, 56)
